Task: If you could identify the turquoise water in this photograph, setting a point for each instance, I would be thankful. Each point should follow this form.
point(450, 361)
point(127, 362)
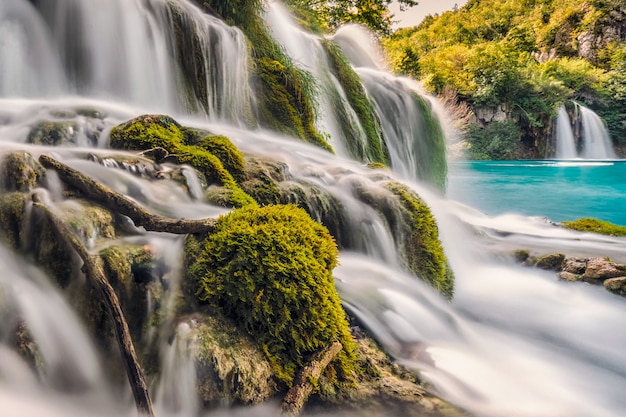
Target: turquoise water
point(558, 190)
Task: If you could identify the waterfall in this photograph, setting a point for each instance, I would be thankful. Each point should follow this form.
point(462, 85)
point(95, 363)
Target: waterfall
point(411, 129)
point(513, 340)
point(565, 144)
point(308, 51)
point(596, 140)
point(126, 50)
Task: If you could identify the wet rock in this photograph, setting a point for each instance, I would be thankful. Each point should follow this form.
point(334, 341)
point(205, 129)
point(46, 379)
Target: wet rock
point(569, 276)
point(20, 172)
point(575, 265)
point(616, 285)
point(550, 262)
point(599, 269)
point(230, 367)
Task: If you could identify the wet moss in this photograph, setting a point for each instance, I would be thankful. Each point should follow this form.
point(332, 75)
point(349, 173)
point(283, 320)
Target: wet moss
point(152, 131)
point(375, 150)
point(228, 154)
point(270, 270)
point(596, 226)
point(12, 206)
point(422, 249)
point(286, 99)
point(20, 172)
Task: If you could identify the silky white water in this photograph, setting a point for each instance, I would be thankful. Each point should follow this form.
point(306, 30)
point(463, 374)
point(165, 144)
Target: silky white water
point(514, 341)
point(565, 143)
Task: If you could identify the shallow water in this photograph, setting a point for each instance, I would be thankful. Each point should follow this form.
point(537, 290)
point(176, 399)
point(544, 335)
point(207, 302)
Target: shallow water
point(558, 190)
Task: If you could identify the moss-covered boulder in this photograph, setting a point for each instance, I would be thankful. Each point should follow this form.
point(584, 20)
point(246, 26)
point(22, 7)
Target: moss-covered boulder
point(54, 133)
point(269, 269)
point(230, 367)
point(159, 131)
point(19, 171)
point(12, 207)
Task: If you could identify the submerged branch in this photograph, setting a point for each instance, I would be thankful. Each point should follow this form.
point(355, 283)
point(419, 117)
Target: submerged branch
point(303, 385)
point(104, 195)
point(94, 270)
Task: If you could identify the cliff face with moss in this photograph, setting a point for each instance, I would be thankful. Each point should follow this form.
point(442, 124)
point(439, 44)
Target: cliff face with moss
point(513, 64)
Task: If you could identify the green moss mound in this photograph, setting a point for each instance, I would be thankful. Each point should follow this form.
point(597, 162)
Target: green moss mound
point(152, 131)
point(269, 269)
point(596, 226)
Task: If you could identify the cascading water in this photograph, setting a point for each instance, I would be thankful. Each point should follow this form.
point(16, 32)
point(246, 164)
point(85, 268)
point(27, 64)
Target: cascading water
point(514, 340)
point(565, 143)
point(596, 140)
point(412, 132)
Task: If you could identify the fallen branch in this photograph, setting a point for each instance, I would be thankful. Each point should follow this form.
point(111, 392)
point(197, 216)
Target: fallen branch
point(113, 200)
point(303, 387)
point(94, 270)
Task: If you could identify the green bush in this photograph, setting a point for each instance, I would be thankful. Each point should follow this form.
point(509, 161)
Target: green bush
point(499, 140)
point(269, 269)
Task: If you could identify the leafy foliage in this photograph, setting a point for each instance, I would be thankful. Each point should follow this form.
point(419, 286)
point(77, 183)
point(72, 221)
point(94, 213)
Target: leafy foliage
point(527, 57)
point(374, 14)
point(269, 269)
point(498, 140)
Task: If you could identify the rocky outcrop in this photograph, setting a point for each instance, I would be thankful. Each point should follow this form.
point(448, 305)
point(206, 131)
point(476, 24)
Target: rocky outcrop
point(591, 270)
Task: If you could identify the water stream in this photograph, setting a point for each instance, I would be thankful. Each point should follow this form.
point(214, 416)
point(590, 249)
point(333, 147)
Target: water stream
point(513, 342)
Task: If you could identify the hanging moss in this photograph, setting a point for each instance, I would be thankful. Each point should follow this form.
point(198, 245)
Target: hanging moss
point(433, 165)
point(422, 248)
point(270, 270)
point(376, 150)
point(152, 131)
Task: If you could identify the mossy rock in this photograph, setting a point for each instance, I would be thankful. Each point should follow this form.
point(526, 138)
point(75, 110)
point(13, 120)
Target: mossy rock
point(230, 367)
point(596, 226)
point(422, 247)
point(228, 154)
point(12, 207)
point(269, 270)
point(263, 178)
point(20, 171)
point(286, 100)
point(88, 221)
point(54, 133)
point(160, 131)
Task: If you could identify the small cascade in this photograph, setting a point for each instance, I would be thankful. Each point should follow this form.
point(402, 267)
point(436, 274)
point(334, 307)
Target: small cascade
point(411, 130)
point(335, 115)
point(597, 143)
point(565, 143)
point(165, 56)
point(63, 357)
point(28, 65)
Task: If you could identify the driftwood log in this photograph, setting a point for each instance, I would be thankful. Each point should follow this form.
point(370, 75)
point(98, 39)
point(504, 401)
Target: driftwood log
point(94, 270)
point(303, 387)
point(119, 203)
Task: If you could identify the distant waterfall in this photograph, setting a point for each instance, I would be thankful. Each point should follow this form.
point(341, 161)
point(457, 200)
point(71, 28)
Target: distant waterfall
point(565, 143)
point(592, 136)
point(596, 140)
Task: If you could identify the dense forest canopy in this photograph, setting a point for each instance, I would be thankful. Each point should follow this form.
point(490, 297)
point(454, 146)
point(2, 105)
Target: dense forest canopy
point(525, 59)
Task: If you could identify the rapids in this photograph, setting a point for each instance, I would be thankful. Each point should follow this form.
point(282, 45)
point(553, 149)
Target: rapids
point(514, 341)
